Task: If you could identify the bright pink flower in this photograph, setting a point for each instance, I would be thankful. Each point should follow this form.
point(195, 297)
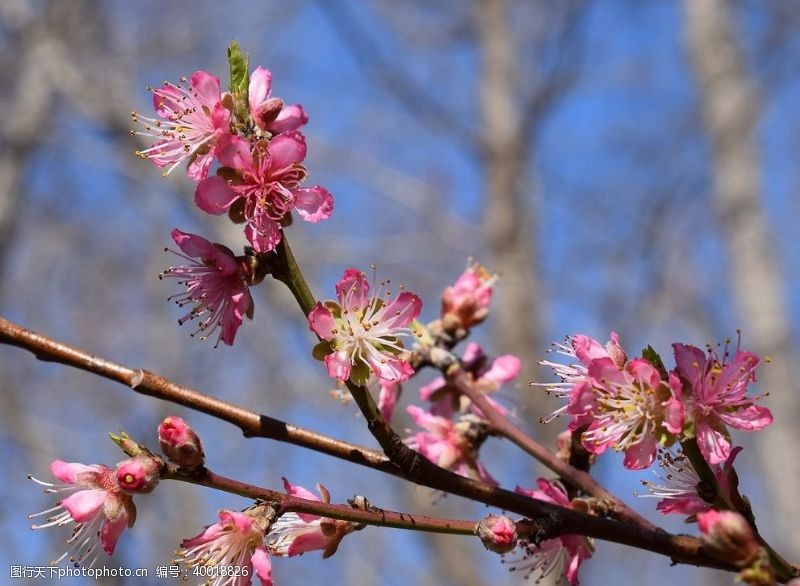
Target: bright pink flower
point(448, 444)
point(562, 555)
point(716, 396)
point(267, 181)
point(297, 533)
point(216, 282)
point(679, 483)
point(466, 303)
point(487, 376)
point(191, 122)
point(236, 544)
point(138, 474)
point(97, 507)
point(270, 113)
point(362, 332)
point(180, 444)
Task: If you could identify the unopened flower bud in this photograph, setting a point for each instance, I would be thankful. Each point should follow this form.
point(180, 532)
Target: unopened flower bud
point(267, 112)
point(139, 474)
point(498, 533)
point(180, 443)
point(466, 303)
point(727, 536)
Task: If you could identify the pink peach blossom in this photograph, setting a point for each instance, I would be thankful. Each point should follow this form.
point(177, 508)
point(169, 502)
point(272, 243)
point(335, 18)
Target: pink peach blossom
point(717, 398)
point(267, 181)
point(362, 332)
point(191, 121)
point(466, 303)
point(97, 507)
point(216, 283)
point(234, 544)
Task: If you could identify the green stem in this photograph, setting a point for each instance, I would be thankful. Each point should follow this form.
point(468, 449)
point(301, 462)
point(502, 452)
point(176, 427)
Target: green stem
point(289, 273)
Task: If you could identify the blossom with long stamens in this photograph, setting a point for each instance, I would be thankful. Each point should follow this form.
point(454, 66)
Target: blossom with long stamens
point(217, 283)
point(297, 533)
point(679, 484)
point(234, 547)
point(717, 395)
point(486, 375)
point(449, 444)
point(266, 180)
point(190, 122)
point(562, 555)
point(97, 508)
point(574, 380)
point(269, 113)
point(362, 332)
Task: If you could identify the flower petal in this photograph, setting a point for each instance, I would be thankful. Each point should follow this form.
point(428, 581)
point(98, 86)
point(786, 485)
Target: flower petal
point(110, 532)
point(207, 88)
point(290, 118)
point(83, 505)
point(286, 149)
point(262, 565)
point(260, 87)
point(320, 321)
point(214, 196)
point(313, 204)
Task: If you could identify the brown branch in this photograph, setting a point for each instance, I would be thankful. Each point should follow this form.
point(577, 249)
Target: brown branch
point(146, 383)
point(369, 515)
point(571, 475)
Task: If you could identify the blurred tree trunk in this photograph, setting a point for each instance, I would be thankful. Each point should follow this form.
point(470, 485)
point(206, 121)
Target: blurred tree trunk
point(730, 111)
point(508, 209)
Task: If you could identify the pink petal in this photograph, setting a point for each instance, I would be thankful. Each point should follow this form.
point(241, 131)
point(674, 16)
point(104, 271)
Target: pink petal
point(308, 541)
point(110, 532)
point(641, 455)
point(504, 369)
point(214, 196)
point(472, 353)
point(233, 316)
point(714, 446)
point(313, 204)
point(264, 235)
point(241, 522)
point(353, 287)
point(587, 349)
point(320, 321)
point(299, 491)
point(751, 418)
point(387, 398)
point(199, 168)
point(690, 362)
point(221, 119)
point(166, 101)
point(234, 152)
point(208, 534)
point(290, 118)
point(286, 149)
point(68, 471)
point(402, 310)
point(262, 565)
point(426, 393)
point(207, 88)
point(673, 416)
point(260, 87)
point(393, 370)
point(84, 505)
point(192, 244)
point(338, 364)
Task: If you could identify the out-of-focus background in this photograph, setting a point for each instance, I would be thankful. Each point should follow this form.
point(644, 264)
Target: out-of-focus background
point(626, 165)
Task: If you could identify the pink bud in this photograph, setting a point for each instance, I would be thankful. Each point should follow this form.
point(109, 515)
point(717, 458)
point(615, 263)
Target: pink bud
point(466, 303)
point(498, 533)
point(180, 443)
point(139, 474)
point(267, 112)
point(727, 535)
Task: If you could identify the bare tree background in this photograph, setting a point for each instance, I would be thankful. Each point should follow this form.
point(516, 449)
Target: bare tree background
point(566, 156)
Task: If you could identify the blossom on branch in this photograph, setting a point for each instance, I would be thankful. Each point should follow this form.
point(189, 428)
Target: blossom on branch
point(717, 395)
point(234, 546)
point(180, 443)
point(466, 303)
point(297, 533)
point(562, 555)
point(98, 509)
point(190, 122)
point(264, 180)
point(216, 282)
point(270, 113)
point(361, 333)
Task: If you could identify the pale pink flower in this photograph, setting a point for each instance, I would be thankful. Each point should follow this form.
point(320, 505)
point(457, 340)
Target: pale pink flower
point(448, 444)
point(466, 303)
point(233, 545)
point(190, 122)
point(297, 533)
point(180, 444)
point(717, 396)
point(97, 507)
point(486, 375)
point(270, 113)
point(679, 483)
point(561, 555)
point(267, 181)
point(362, 332)
point(216, 283)
point(574, 379)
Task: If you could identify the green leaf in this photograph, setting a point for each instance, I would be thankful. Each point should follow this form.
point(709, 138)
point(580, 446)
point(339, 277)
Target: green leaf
point(239, 64)
point(654, 358)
